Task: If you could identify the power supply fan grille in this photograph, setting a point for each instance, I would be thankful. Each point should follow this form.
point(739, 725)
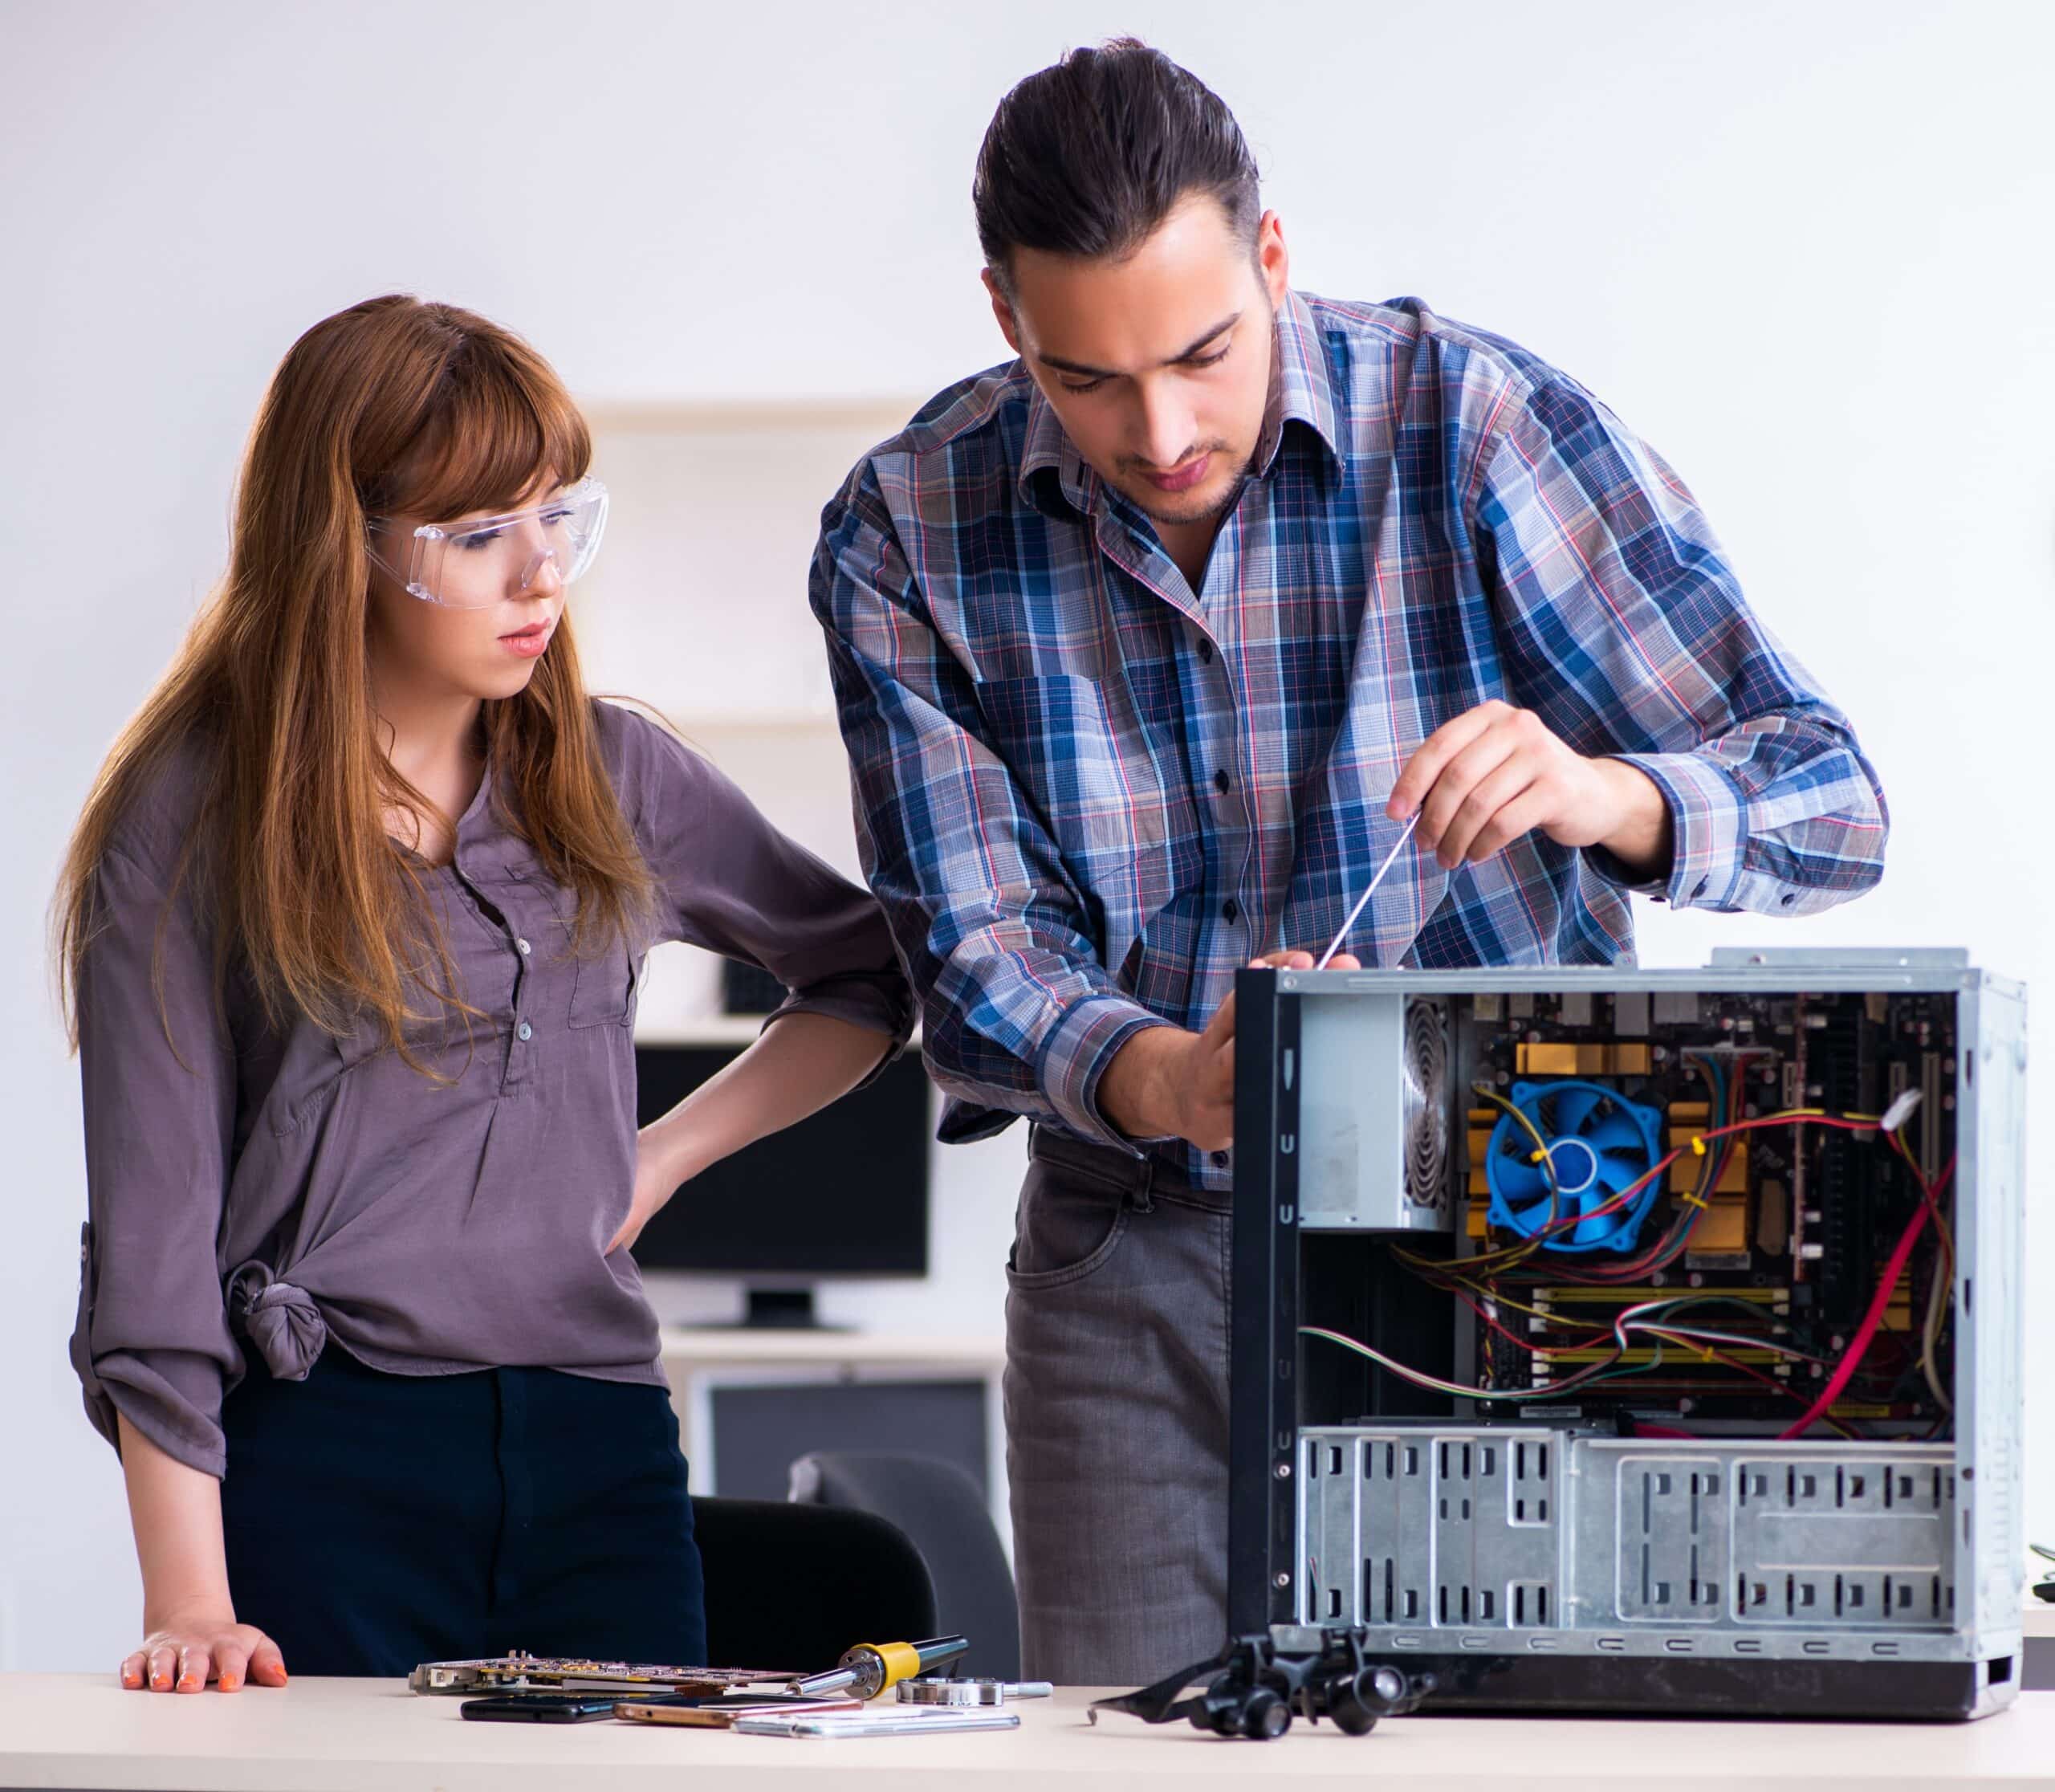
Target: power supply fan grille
point(1426, 1104)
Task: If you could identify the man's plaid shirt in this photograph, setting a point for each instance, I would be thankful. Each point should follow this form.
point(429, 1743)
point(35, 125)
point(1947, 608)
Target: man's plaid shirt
point(1086, 794)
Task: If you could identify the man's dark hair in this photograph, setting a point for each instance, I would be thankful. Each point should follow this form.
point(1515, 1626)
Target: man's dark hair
point(1088, 156)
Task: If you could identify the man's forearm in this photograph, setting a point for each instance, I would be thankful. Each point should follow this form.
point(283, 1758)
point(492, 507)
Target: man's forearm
point(1166, 1083)
point(1138, 1091)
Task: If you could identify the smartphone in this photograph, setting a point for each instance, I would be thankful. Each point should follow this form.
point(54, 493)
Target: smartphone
point(719, 1713)
point(539, 1708)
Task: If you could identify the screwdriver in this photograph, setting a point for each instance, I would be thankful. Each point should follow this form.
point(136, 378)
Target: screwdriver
point(869, 1668)
point(1334, 945)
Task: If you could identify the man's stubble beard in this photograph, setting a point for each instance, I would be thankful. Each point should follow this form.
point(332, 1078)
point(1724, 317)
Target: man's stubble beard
point(1211, 512)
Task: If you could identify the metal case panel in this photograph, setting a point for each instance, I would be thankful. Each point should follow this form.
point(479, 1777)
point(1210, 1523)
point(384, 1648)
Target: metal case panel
point(1797, 1549)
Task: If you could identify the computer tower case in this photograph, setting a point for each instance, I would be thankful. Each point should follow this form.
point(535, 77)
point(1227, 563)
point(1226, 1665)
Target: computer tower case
point(1613, 1339)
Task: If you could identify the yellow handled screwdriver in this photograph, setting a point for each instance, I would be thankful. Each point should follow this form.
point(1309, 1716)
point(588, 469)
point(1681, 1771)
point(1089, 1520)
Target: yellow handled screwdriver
point(871, 1668)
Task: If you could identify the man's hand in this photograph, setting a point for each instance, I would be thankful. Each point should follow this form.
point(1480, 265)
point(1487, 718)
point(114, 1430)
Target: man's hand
point(1496, 772)
point(1166, 1083)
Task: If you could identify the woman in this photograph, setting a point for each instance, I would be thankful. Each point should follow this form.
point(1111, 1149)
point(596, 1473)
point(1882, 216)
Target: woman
point(352, 925)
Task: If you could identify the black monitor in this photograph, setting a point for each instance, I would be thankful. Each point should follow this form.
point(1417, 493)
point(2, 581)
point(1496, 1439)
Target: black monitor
point(843, 1193)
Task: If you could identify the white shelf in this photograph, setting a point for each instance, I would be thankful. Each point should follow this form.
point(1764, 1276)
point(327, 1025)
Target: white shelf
point(716, 1029)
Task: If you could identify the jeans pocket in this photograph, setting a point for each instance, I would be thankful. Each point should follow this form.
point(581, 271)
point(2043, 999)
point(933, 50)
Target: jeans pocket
point(1063, 1232)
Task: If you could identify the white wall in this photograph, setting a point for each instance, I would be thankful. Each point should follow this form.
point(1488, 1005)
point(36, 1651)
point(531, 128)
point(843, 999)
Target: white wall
point(1803, 249)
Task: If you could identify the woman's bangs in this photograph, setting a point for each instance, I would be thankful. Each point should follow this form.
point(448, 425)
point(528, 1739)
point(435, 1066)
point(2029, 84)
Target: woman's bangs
point(498, 427)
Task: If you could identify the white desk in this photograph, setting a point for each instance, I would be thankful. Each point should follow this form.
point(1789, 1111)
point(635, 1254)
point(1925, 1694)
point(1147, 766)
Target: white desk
point(339, 1735)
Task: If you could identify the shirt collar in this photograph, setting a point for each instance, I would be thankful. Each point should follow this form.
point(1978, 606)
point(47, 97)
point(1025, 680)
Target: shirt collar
point(1301, 386)
point(1048, 447)
point(485, 845)
point(1301, 390)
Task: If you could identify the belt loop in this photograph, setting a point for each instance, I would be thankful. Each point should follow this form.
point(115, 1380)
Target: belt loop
point(1142, 1204)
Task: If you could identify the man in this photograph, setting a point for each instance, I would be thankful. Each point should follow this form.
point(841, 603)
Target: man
point(1146, 644)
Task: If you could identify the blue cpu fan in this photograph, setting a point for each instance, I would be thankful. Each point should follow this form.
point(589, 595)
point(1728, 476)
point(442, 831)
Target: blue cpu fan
point(1599, 1143)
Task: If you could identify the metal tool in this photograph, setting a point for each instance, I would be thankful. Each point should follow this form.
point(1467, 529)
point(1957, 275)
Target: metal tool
point(1376, 877)
point(971, 1692)
point(869, 1668)
point(877, 1723)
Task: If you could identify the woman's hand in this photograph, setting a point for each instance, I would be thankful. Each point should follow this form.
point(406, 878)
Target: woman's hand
point(661, 1167)
point(189, 1649)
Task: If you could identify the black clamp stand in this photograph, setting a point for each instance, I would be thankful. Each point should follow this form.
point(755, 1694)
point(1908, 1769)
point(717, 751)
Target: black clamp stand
point(1256, 1684)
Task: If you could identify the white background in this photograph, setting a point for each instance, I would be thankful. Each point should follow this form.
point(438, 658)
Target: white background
point(1802, 248)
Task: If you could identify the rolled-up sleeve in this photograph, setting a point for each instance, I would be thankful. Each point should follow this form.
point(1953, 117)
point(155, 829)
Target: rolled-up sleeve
point(152, 1341)
point(736, 885)
point(1020, 1015)
point(1626, 629)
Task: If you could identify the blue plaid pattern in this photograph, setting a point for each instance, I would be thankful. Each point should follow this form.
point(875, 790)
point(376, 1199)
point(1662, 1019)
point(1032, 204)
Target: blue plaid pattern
point(1086, 794)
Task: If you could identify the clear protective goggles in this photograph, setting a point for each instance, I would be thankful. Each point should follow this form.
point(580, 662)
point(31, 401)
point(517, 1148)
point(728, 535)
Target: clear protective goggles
point(479, 562)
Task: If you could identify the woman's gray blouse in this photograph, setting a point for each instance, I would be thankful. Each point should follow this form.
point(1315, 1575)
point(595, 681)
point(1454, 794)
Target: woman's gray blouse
point(277, 1187)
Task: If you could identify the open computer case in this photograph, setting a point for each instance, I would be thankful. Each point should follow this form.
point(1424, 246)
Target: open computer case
point(1640, 1341)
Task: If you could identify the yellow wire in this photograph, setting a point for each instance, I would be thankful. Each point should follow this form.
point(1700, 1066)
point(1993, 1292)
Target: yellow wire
point(1505, 1257)
point(1519, 1253)
point(1527, 1125)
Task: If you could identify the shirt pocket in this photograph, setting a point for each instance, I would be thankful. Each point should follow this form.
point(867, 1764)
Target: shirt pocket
point(1081, 754)
point(603, 985)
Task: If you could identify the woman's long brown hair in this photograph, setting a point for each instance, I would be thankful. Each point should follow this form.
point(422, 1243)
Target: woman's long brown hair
point(394, 406)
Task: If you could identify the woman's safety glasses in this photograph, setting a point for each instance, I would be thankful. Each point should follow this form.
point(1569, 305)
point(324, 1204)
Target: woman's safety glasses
point(475, 564)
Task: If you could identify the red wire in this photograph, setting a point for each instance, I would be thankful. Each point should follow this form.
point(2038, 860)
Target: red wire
point(1872, 1320)
point(1665, 1254)
point(1641, 1181)
point(1887, 1287)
